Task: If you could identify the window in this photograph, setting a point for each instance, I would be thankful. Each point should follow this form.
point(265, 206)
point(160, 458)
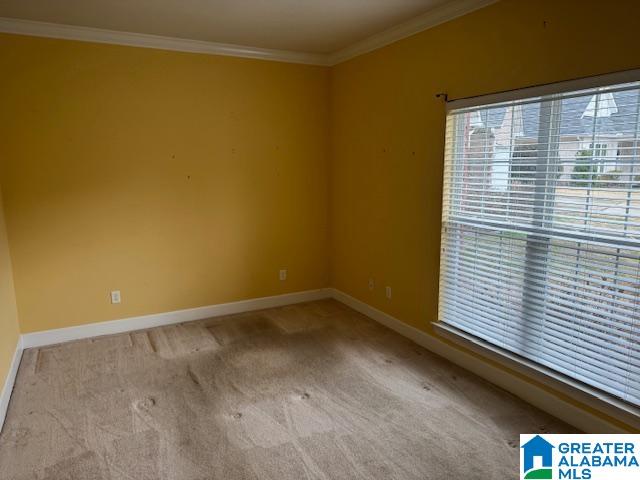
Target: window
point(599, 149)
point(599, 153)
point(541, 236)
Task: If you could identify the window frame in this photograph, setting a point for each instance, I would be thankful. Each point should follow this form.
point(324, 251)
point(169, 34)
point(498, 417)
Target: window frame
point(578, 391)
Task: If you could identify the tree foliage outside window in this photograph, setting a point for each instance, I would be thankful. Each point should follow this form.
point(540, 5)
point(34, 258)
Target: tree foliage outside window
point(585, 172)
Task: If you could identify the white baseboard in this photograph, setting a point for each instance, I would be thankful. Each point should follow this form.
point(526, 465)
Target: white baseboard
point(7, 389)
point(61, 335)
point(528, 392)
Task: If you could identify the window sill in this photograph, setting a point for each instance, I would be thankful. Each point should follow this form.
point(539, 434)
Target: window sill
point(592, 397)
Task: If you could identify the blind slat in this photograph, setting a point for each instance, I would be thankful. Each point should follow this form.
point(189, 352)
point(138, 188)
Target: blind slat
point(541, 232)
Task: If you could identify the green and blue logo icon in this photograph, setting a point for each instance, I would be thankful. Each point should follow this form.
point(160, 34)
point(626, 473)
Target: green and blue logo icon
point(537, 459)
point(580, 457)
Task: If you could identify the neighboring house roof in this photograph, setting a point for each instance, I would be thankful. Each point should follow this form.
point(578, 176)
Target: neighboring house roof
point(574, 121)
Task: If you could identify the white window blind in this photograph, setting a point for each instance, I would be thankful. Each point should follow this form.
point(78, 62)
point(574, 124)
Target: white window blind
point(541, 232)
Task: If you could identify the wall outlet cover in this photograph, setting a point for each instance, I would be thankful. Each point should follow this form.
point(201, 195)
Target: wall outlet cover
point(115, 296)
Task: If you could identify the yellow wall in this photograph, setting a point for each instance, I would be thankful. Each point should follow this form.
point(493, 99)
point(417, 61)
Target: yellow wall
point(9, 331)
point(181, 179)
point(388, 130)
point(187, 180)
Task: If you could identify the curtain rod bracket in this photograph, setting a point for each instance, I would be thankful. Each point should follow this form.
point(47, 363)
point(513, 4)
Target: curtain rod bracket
point(443, 95)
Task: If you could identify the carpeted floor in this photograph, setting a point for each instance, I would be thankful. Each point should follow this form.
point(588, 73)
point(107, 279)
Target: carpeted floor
point(306, 391)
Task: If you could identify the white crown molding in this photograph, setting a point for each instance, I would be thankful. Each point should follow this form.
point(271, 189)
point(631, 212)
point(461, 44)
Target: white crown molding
point(430, 19)
point(97, 35)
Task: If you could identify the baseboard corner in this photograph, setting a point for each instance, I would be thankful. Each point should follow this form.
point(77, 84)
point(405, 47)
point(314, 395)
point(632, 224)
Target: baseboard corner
point(10, 380)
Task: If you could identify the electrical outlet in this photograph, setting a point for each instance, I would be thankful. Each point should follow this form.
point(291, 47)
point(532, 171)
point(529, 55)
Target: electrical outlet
point(387, 291)
point(283, 274)
point(115, 296)
point(372, 284)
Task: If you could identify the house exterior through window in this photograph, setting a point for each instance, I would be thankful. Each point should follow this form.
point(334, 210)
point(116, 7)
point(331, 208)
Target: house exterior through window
point(541, 232)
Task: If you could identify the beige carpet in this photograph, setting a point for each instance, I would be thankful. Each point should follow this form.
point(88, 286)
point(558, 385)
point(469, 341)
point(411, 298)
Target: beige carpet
point(305, 391)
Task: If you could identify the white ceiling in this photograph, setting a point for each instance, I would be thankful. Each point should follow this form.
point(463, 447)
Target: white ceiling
point(311, 26)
